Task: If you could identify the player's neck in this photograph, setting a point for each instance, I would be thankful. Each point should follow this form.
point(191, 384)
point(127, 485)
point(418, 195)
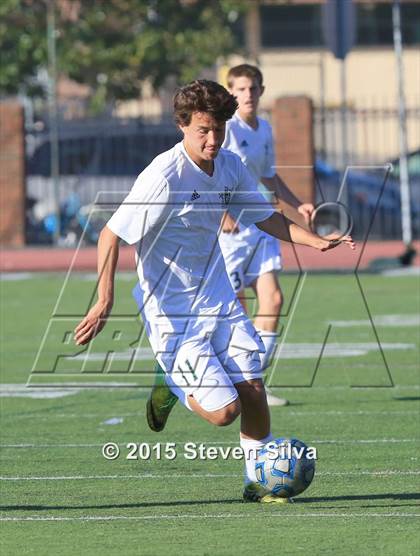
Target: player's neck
point(250, 119)
point(206, 165)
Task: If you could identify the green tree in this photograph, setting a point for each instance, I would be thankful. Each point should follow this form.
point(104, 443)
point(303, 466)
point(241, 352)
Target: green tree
point(114, 45)
point(23, 44)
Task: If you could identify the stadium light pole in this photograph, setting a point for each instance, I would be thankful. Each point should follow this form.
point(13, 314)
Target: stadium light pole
point(339, 24)
point(404, 179)
point(53, 113)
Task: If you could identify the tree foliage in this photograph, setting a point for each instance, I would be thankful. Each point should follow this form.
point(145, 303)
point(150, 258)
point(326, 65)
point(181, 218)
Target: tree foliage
point(115, 44)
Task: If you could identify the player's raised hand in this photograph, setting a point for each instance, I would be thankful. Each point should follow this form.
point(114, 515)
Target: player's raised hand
point(229, 224)
point(306, 210)
point(92, 324)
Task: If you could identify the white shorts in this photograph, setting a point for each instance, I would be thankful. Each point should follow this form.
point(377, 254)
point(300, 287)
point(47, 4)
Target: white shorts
point(209, 368)
point(246, 262)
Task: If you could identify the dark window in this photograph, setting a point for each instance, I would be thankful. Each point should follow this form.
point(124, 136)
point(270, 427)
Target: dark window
point(283, 26)
point(374, 24)
point(300, 26)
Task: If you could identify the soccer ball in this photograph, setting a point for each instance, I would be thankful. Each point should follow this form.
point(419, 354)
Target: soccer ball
point(284, 468)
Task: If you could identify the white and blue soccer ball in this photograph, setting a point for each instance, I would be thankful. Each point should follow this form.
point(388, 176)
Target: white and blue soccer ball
point(285, 467)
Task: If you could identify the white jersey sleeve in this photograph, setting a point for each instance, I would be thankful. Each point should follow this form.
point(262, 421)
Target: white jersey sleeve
point(269, 164)
point(146, 206)
point(230, 143)
point(248, 205)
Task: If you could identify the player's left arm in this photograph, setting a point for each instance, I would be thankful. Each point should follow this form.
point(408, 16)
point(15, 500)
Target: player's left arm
point(284, 196)
point(282, 228)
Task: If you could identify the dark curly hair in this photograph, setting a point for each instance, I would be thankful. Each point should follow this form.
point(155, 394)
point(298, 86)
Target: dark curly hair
point(203, 96)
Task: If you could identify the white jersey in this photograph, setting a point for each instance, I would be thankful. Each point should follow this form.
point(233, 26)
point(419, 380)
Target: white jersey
point(173, 211)
point(255, 148)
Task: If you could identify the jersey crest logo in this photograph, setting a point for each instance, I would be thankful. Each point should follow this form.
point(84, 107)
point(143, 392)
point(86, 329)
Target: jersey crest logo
point(195, 195)
point(244, 143)
point(225, 196)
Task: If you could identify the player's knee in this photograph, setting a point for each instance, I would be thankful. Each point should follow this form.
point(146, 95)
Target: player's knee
point(256, 386)
point(252, 390)
point(227, 415)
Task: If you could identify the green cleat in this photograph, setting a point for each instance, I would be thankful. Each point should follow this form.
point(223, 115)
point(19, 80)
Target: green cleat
point(254, 492)
point(160, 402)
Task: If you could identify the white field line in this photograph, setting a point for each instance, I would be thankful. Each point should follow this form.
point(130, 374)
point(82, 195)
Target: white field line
point(398, 272)
point(15, 276)
point(361, 412)
point(141, 414)
point(380, 320)
point(348, 387)
point(284, 351)
point(264, 515)
point(104, 386)
point(84, 416)
point(216, 442)
point(131, 277)
point(386, 473)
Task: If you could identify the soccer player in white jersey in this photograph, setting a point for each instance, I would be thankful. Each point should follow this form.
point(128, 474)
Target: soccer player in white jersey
point(197, 328)
point(252, 257)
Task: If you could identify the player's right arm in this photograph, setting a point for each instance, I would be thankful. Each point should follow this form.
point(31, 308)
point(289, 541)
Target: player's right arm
point(282, 228)
point(144, 208)
point(95, 320)
point(252, 208)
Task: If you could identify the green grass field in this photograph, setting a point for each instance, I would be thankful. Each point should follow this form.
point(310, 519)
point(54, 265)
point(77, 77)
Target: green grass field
point(60, 496)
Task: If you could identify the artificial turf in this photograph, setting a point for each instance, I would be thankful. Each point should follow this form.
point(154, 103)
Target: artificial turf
point(59, 495)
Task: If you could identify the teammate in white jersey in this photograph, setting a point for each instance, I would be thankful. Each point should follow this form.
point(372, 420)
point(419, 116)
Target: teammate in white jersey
point(252, 257)
point(198, 330)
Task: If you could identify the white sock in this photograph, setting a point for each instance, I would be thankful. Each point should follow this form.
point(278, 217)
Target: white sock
point(250, 448)
point(269, 341)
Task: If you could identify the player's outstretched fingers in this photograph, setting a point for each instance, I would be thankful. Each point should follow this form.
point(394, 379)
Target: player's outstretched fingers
point(348, 240)
point(84, 332)
point(80, 330)
point(92, 324)
point(84, 336)
point(332, 243)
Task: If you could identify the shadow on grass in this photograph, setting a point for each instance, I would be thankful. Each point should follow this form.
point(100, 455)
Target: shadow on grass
point(360, 497)
point(387, 505)
point(406, 398)
point(138, 505)
point(355, 497)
